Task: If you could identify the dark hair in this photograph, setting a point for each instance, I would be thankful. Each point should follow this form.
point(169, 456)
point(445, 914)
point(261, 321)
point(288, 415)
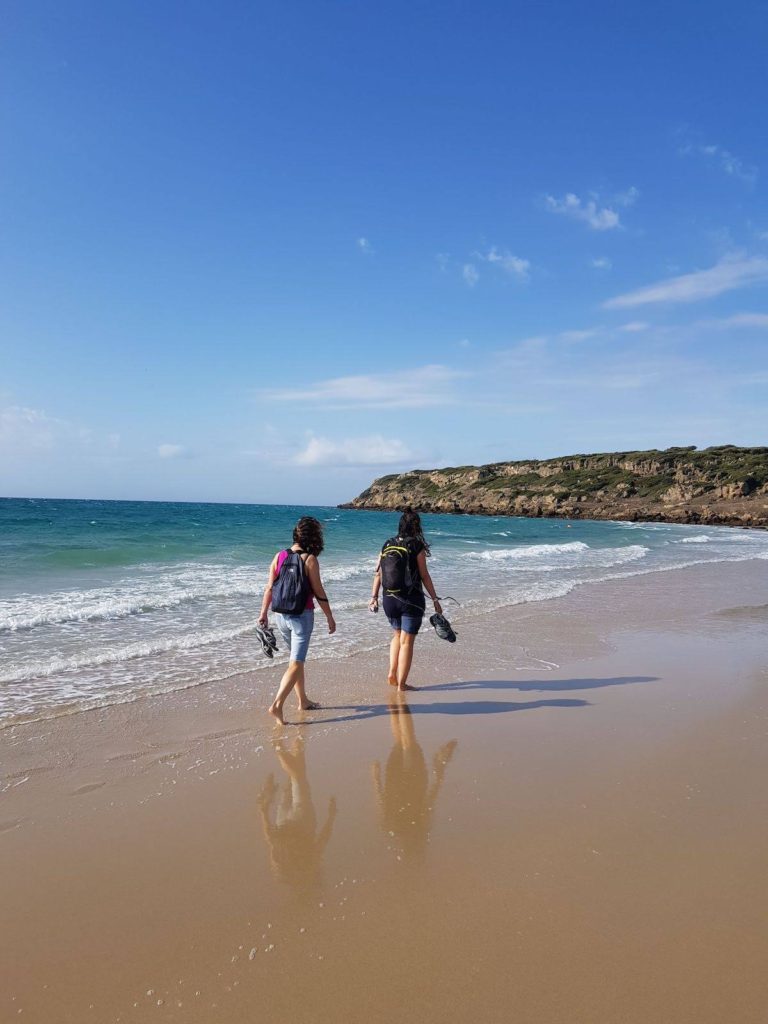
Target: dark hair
point(308, 533)
point(410, 526)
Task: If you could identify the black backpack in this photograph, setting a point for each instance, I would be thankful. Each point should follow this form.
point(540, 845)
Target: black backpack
point(291, 587)
point(395, 565)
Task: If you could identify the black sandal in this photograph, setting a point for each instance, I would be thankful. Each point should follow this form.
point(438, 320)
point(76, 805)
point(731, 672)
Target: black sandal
point(443, 627)
point(266, 639)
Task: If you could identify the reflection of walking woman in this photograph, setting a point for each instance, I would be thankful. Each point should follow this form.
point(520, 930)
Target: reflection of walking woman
point(296, 630)
point(408, 792)
point(405, 609)
point(289, 822)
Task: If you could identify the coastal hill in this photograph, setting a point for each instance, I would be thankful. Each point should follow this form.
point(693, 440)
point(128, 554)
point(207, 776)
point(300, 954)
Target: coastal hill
point(720, 486)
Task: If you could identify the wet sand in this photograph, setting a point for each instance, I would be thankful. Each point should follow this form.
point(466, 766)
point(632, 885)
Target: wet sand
point(567, 823)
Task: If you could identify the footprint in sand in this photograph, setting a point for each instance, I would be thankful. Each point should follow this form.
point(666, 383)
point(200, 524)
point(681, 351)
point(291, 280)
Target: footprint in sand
point(25, 772)
point(135, 755)
point(8, 826)
point(88, 788)
point(171, 758)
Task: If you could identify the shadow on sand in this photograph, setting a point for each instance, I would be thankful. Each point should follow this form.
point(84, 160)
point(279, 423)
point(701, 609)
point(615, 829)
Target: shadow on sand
point(539, 685)
point(486, 707)
point(459, 707)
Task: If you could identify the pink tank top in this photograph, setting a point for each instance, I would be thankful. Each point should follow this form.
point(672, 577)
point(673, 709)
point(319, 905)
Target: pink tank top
point(280, 559)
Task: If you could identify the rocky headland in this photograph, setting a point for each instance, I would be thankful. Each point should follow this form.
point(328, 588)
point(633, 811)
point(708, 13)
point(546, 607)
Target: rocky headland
point(725, 486)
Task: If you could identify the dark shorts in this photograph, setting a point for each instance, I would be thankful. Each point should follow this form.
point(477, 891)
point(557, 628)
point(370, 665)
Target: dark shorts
point(405, 615)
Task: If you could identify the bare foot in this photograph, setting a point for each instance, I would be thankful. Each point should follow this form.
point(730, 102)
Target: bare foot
point(392, 680)
point(311, 705)
point(277, 712)
point(406, 686)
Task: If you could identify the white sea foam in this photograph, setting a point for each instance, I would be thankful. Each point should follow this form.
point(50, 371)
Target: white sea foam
point(171, 589)
point(529, 551)
point(701, 538)
point(339, 573)
point(129, 597)
point(574, 555)
point(117, 655)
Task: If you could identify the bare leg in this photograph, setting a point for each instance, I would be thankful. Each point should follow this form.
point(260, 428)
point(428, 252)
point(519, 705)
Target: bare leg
point(404, 659)
point(305, 704)
point(287, 683)
point(394, 654)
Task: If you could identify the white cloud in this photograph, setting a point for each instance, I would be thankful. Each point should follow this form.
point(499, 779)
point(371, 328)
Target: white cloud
point(171, 451)
point(421, 387)
point(602, 263)
point(590, 211)
point(515, 266)
point(634, 327)
point(470, 274)
point(730, 164)
point(576, 335)
point(540, 341)
point(627, 198)
point(759, 320)
point(29, 432)
point(23, 428)
point(374, 450)
point(733, 272)
point(365, 246)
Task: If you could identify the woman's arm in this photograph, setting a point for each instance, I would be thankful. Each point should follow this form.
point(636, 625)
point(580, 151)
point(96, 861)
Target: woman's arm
point(373, 604)
point(313, 571)
point(426, 579)
point(267, 600)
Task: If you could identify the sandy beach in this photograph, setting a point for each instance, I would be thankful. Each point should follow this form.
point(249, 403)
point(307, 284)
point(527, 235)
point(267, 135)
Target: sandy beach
point(567, 823)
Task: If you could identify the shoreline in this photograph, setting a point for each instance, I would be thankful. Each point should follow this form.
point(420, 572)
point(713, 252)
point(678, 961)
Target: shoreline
point(571, 805)
point(688, 518)
point(345, 655)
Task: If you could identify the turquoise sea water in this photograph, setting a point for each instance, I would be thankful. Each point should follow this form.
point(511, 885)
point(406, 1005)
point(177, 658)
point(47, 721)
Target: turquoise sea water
point(103, 602)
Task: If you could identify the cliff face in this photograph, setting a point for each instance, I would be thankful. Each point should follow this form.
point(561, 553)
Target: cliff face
point(724, 486)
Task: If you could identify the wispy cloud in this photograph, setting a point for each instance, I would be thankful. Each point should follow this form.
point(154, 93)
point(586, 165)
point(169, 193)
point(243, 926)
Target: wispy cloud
point(601, 263)
point(577, 335)
point(24, 428)
point(735, 271)
point(515, 266)
point(539, 341)
point(374, 450)
point(746, 320)
point(171, 451)
point(732, 165)
point(470, 274)
point(421, 387)
point(634, 327)
point(598, 215)
point(365, 246)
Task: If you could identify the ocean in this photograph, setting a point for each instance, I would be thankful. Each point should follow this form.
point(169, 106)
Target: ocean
point(104, 602)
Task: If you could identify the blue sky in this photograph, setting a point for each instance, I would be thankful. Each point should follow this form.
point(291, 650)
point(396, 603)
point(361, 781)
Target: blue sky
point(266, 252)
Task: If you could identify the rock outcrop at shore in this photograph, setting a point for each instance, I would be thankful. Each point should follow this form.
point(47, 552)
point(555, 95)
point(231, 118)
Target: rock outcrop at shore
point(720, 486)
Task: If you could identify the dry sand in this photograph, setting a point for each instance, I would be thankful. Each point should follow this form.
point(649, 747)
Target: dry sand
point(583, 844)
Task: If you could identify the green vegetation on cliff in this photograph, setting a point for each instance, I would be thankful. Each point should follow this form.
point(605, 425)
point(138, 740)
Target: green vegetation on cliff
point(725, 484)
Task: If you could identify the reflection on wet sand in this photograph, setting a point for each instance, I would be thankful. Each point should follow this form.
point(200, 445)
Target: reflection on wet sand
point(289, 822)
point(407, 795)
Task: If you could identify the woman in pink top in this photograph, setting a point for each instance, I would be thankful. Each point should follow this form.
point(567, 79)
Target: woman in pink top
point(296, 630)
